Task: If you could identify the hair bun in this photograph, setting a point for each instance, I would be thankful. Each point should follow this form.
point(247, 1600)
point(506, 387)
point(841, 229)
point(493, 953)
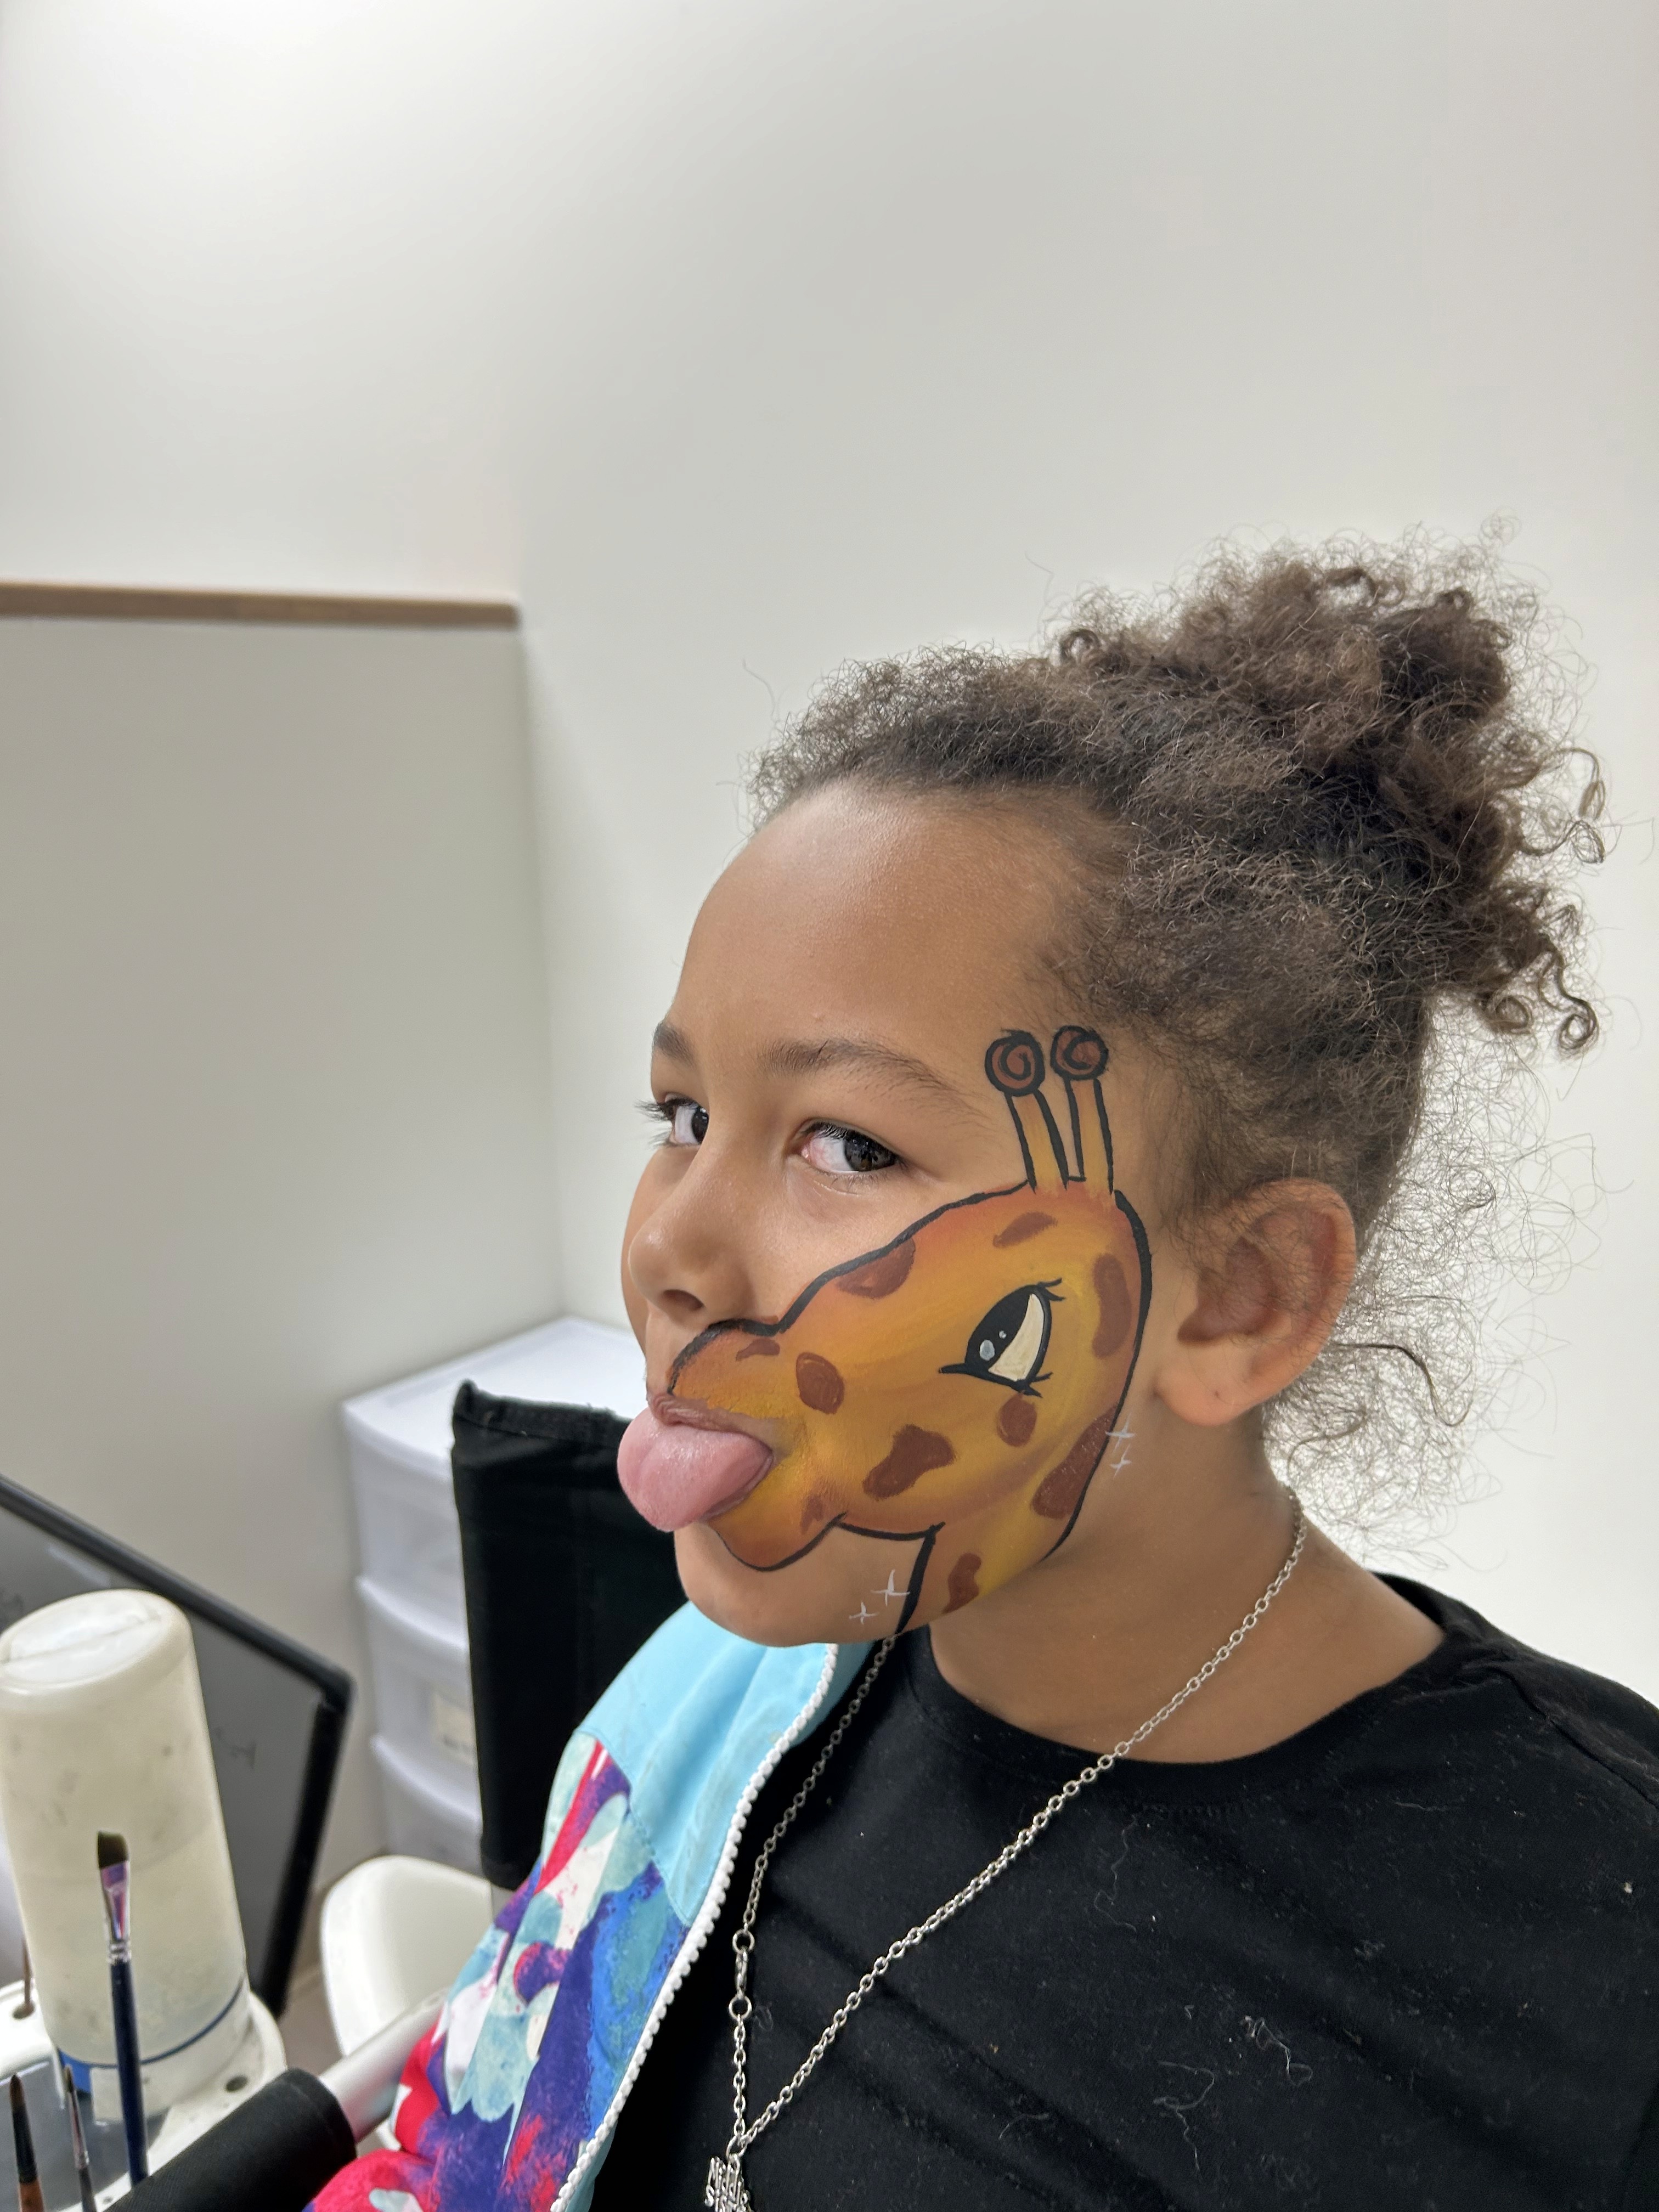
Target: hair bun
point(1442, 658)
point(1371, 718)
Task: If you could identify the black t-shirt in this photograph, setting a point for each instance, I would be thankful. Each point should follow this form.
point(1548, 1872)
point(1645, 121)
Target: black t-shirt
point(1407, 1959)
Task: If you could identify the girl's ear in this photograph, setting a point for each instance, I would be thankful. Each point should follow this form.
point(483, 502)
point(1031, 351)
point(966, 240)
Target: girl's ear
point(1258, 1304)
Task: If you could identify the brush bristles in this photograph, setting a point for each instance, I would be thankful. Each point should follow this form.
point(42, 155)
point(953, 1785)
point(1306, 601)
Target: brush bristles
point(112, 1850)
point(22, 2137)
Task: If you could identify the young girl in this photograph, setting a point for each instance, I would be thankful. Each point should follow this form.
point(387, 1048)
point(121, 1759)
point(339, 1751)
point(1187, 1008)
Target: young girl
point(1032, 1807)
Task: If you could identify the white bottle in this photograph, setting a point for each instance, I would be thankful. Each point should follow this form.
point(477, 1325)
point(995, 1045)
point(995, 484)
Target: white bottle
point(102, 1727)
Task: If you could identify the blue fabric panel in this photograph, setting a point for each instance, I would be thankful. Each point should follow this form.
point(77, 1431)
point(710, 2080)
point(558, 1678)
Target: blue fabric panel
point(688, 1721)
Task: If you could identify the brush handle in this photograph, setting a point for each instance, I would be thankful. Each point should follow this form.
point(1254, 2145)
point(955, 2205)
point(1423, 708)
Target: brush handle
point(78, 2144)
point(127, 2070)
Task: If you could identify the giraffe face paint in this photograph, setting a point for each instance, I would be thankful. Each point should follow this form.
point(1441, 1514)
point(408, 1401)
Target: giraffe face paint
point(954, 1391)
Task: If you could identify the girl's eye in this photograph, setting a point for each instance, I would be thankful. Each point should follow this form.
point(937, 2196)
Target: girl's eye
point(688, 1123)
point(844, 1151)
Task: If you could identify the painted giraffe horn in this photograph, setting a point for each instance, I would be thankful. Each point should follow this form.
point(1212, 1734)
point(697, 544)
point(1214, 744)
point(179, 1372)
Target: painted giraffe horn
point(1015, 1067)
point(1079, 1056)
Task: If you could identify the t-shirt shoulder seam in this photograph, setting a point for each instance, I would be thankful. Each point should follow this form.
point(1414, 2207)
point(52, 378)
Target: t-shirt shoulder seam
point(1540, 1709)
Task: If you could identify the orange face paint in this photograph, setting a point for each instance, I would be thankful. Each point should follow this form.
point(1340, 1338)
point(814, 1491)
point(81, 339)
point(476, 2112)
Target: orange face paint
point(957, 1390)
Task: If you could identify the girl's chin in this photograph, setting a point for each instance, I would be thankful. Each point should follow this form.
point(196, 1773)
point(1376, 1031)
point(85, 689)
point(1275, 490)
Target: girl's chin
point(835, 1594)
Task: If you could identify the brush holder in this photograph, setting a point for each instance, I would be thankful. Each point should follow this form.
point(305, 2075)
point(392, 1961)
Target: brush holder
point(102, 1727)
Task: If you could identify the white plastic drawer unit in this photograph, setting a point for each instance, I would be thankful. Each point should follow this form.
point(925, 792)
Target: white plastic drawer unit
point(423, 1689)
point(427, 1816)
point(399, 1438)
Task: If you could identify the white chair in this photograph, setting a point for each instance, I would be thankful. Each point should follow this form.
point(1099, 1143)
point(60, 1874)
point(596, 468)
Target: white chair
point(393, 1931)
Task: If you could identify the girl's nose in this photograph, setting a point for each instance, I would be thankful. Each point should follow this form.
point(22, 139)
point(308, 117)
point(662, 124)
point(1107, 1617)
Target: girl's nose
point(684, 1258)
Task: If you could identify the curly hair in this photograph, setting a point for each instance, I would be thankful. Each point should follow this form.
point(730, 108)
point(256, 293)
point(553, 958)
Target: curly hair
point(1323, 802)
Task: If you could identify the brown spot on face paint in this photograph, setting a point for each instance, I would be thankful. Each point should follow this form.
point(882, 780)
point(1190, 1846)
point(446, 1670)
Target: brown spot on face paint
point(815, 1507)
point(760, 1347)
point(1028, 1224)
point(1016, 1420)
point(1058, 1494)
point(879, 1279)
point(1112, 1289)
point(818, 1383)
point(964, 1585)
point(916, 1452)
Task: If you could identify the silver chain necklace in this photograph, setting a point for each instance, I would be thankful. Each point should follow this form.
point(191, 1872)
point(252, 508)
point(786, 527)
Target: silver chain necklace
point(728, 2191)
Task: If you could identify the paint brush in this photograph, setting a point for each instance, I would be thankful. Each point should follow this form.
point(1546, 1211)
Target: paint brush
point(30, 2198)
point(78, 2146)
point(114, 1873)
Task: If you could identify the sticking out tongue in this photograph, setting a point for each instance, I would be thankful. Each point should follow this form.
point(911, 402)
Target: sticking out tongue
point(675, 1473)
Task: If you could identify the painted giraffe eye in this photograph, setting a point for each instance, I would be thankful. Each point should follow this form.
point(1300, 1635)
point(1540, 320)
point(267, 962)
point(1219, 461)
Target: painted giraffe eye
point(1009, 1342)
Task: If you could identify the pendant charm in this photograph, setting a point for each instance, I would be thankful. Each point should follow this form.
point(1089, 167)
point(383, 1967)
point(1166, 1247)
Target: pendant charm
point(726, 2191)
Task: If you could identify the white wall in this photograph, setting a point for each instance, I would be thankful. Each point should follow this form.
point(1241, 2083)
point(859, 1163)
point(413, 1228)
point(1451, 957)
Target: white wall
point(746, 337)
point(274, 1122)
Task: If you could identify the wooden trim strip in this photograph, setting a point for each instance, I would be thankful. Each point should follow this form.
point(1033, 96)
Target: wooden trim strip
point(325, 610)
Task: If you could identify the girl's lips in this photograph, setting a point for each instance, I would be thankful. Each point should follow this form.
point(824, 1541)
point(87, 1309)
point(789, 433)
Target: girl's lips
point(678, 1464)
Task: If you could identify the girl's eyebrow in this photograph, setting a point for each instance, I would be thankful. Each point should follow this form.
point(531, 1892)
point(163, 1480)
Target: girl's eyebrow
point(806, 1057)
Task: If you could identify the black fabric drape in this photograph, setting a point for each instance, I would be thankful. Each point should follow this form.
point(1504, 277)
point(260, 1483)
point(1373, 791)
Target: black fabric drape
point(564, 1582)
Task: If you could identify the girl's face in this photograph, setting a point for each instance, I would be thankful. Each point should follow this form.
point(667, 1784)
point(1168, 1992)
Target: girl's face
point(890, 1291)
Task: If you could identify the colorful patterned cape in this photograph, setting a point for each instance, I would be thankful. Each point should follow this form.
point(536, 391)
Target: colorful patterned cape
point(510, 2101)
